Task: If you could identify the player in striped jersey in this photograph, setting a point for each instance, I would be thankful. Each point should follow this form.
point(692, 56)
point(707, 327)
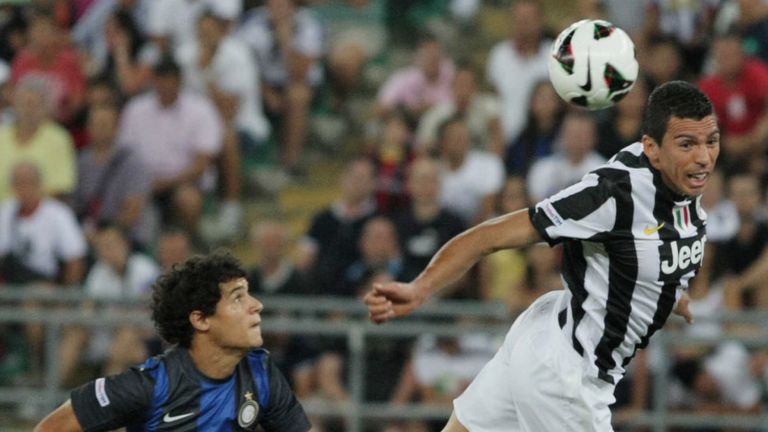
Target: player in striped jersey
point(633, 237)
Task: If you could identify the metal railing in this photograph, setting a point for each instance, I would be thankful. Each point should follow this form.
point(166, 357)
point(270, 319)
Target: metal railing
point(304, 316)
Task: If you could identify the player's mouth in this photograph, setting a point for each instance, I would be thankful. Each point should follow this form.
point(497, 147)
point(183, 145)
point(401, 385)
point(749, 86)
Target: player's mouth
point(699, 179)
point(257, 324)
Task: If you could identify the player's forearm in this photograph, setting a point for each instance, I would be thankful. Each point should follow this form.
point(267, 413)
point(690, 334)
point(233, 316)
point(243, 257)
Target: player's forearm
point(456, 257)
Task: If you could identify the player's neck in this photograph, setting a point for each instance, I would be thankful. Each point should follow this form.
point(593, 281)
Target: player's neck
point(214, 362)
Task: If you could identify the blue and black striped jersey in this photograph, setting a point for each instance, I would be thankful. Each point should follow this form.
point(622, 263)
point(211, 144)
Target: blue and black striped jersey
point(167, 393)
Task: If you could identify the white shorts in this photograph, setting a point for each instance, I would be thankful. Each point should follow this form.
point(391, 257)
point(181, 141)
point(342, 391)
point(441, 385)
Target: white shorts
point(536, 382)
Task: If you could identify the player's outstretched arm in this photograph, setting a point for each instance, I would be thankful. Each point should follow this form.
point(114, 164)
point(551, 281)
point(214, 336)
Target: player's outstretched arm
point(63, 419)
point(394, 299)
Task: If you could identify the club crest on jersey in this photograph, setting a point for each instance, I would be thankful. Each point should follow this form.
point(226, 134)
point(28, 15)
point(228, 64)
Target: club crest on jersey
point(682, 217)
point(248, 412)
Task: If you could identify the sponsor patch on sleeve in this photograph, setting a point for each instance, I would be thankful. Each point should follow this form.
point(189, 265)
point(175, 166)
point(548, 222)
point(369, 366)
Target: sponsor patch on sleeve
point(101, 392)
point(551, 213)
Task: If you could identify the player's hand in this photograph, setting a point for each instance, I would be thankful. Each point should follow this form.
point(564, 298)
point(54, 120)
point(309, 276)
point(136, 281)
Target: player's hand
point(391, 300)
point(682, 308)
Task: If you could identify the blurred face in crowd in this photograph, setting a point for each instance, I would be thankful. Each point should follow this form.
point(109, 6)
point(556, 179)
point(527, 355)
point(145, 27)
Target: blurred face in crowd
point(633, 103)
point(464, 86)
point(664, 62)
point(173, 248)
point(687, 155)
point(112, 247)
point(209, 31)
point(378, 241)
point(43, 33)
point(729, 57)
point(579, 136)
point(513, 195)
point(30, 104)
point(744, 191)
point(280, 9)
point(424, 181)
point(527, 21)
point(358, 181)
point(456, 142)
point(27, 185)
point(430, 56)
point(545, 103)
point(271, 240)
point(102, 125)
point(168, 87)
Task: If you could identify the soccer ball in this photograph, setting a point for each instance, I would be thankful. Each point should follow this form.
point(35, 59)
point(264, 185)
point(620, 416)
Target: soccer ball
point(593, 64)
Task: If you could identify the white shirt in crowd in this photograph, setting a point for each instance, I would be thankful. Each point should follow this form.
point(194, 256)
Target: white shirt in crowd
point(42, 239)
point(309, 40)
point(463, 189)
point(234, 71)
point(555, 172)
point(177, 19)
point(105, 283)
point(514, 77)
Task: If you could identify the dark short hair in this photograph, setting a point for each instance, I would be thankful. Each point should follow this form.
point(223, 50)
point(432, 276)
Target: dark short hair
point(679, 99)
point(188, 287)
point(167, 66)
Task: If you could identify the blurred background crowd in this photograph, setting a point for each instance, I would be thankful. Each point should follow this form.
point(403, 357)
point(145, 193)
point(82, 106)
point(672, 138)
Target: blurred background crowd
point(334, 143)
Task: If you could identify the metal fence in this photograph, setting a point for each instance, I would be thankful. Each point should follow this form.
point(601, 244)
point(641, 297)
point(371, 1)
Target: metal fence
point(304, 316)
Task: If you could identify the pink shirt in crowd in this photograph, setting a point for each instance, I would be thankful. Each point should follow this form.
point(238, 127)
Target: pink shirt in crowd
point(409, 87)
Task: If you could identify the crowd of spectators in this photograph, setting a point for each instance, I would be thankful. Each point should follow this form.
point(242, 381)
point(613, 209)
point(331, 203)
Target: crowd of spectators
point(124, 122)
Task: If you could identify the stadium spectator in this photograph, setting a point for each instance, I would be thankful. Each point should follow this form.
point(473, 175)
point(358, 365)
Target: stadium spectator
point(420, 86)
point(177, 134)
point(118, 274)
point(392, 152)
point(739, 91)
point(471, 178)
point(662, 60)
point(620, 126)
point(503, 273)
point(523, 56)
point(576, 157)
point(425, 225)
point(47, 57)
point(89, 32)
point(33, 136)
point(690, 23)
point(276, 272)
point(40, 241)
point(221, 67)
point(330, 245)
point(379, 255)
point(124, 64)
point(173, 247)
point(288, 43)
point(542, 128)
point(172, 23)
point(482, 111)
point(752, 23)
point(113, 183)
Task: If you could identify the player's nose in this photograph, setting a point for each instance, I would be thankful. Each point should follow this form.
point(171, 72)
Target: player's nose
point(256, 306)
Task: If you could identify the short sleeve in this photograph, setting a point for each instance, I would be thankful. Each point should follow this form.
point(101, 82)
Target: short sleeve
point(310, 37)
point(284, 412)
point(71, 241)
point(113, 402)
point(583, 211)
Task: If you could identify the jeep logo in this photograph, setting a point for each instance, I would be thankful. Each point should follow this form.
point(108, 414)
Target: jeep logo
point(683, 256)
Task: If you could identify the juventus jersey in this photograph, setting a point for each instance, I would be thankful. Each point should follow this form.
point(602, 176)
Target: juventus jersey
point(168, 393)
point(631, 246)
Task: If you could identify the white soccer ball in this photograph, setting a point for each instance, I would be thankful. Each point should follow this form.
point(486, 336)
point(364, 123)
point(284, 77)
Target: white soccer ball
point(593, 64)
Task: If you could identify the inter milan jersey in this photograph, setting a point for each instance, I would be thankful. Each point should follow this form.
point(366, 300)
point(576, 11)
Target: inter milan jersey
point(168, 393)
point(631, 246)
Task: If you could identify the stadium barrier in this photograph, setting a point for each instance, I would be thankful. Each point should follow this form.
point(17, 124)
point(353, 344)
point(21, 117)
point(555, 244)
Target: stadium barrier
point(300, 316)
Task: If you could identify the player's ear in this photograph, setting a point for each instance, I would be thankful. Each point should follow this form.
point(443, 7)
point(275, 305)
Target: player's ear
point(651, 150)
point(199, 321)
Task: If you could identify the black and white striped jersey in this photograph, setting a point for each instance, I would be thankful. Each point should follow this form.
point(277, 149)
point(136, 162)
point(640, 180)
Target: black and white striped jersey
point(631, 245)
